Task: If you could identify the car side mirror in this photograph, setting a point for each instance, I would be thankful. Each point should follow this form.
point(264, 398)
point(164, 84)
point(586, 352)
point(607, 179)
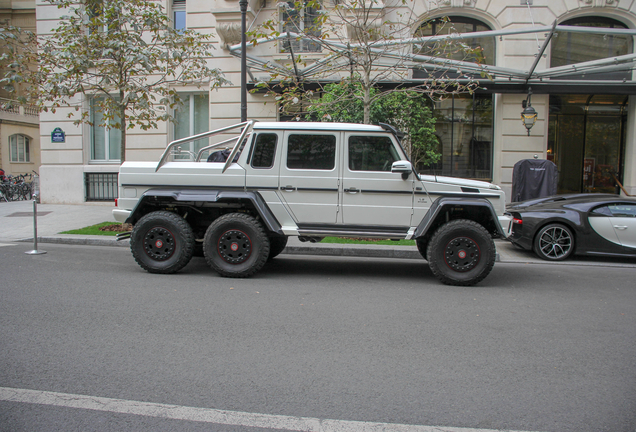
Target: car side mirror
point(403, 167)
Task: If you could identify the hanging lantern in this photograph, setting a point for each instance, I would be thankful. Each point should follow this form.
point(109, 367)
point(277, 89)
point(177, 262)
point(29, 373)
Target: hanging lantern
point(529, 114)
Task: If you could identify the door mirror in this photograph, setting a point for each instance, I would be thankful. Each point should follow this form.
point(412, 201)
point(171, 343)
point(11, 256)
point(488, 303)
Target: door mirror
point(403, 167)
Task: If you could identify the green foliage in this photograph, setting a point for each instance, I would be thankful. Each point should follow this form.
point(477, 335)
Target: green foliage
point(344, 240)
point(409, 111)
point(123, 51)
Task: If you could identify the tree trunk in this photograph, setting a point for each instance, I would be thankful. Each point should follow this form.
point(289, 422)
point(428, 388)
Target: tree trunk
point(366, 96)
point(122, 128)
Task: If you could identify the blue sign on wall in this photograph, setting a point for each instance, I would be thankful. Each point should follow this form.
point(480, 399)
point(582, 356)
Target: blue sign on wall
point(58, 135)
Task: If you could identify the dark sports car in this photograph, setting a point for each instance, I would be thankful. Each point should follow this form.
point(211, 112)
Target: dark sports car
point(585, 224)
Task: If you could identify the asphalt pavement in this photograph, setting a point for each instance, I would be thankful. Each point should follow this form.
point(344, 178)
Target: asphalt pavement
point(17, 224)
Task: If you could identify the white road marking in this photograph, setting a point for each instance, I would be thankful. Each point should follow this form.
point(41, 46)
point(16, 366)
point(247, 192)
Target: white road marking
point(207, 415)
point(7, 244)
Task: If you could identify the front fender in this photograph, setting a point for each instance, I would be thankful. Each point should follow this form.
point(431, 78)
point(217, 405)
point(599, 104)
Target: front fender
point(482, 206)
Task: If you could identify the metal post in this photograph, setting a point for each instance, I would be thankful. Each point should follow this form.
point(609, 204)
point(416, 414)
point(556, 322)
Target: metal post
point(243, 5)
point(35, 250)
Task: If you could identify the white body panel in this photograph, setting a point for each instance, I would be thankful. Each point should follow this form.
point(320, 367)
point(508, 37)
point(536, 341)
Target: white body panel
point(341, 195)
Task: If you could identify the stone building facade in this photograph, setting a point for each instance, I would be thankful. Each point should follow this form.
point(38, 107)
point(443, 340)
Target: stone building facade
point(585, 123)
point(19, 125)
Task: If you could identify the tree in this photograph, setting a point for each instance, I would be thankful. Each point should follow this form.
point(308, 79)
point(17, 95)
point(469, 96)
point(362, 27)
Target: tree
point(122, 56)
point(408, 111)
point(370, 42)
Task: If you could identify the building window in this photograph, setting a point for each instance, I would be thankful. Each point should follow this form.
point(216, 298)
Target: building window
point(586, 140)
point(571, 48)
point(20, 148)
point(191, 118)
point(105, 135)
point(464, 128)
point(302, 19)
point(100, 186)
point(179, 14)
point(484, 46)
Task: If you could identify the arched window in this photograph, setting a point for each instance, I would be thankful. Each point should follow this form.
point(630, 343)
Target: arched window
point(460, 24)
point(20, 148)
point(570, 48)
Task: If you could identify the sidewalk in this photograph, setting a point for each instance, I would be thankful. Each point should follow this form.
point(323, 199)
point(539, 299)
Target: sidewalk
point(16, 225)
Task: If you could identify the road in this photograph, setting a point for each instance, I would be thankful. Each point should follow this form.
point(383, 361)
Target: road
point(90, 342)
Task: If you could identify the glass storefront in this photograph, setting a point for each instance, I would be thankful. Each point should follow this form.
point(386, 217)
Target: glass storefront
point(464, 128)
point(587, 141)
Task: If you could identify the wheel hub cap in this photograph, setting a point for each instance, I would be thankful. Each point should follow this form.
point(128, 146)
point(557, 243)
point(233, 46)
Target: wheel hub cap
point(461, 254)
point(234, 246)
point(555, 242)
point(159, 244)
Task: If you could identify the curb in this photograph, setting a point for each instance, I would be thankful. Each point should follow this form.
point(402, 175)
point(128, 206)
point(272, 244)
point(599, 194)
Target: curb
point(504, 254)
point(398, 252)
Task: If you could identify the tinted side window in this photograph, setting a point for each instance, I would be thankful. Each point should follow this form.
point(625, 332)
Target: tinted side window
point(623, 210)
point(311, 152)
point(605, 211)
point(371, 153)
point(264, 151)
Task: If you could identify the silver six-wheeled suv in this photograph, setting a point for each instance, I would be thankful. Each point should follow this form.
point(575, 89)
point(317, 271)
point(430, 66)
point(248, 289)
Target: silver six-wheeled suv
point(309, 180)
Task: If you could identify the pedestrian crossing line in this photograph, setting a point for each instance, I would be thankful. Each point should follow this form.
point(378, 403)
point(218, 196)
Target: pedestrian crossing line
point(208, 415)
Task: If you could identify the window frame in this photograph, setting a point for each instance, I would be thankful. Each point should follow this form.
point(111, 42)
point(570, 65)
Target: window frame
point(254, 151)
point(191, 146)
point(585, 21)
point(178, 6)
point(107, 137)
point(14, 156)
point(287, 25)
point(474, 42)
point(335, 149)
point(390, 146)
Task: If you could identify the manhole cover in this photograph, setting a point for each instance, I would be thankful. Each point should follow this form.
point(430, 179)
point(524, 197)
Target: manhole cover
point(27, 214)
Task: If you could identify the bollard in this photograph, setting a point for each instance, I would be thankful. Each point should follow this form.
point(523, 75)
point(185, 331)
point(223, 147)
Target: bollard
point(35, 250)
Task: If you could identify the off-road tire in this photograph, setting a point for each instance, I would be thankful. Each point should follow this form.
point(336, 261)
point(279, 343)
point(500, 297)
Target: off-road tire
point(236, 245)
point(461, 252)
point(277, 244)
point(162, 242)
point(422, 245)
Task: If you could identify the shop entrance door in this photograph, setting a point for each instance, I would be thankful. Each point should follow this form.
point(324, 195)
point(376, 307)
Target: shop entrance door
point(587, 141)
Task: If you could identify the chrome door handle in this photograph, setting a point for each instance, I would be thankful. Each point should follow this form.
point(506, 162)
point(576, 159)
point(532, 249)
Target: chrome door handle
point(352, 190)
point(288, 188)
point(620, 227)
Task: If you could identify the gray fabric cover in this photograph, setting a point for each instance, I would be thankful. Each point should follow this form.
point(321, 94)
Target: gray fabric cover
point(534, 178)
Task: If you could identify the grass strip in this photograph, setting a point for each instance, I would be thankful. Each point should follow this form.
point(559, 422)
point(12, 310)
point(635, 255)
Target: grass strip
point(95, 229)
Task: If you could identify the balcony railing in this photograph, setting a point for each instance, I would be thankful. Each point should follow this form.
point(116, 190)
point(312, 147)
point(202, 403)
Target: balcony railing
point(14, 108)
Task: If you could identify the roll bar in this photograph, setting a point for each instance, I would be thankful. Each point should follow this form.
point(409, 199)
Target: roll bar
point(247, 126)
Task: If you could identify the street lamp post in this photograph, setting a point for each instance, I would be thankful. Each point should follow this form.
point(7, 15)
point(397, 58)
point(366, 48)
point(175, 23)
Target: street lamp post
point(243, 5)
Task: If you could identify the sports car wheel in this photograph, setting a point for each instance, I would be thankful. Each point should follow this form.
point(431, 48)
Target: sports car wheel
point(162, 242)
point(461, 252)
point(236, 245)
point(554, 242)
